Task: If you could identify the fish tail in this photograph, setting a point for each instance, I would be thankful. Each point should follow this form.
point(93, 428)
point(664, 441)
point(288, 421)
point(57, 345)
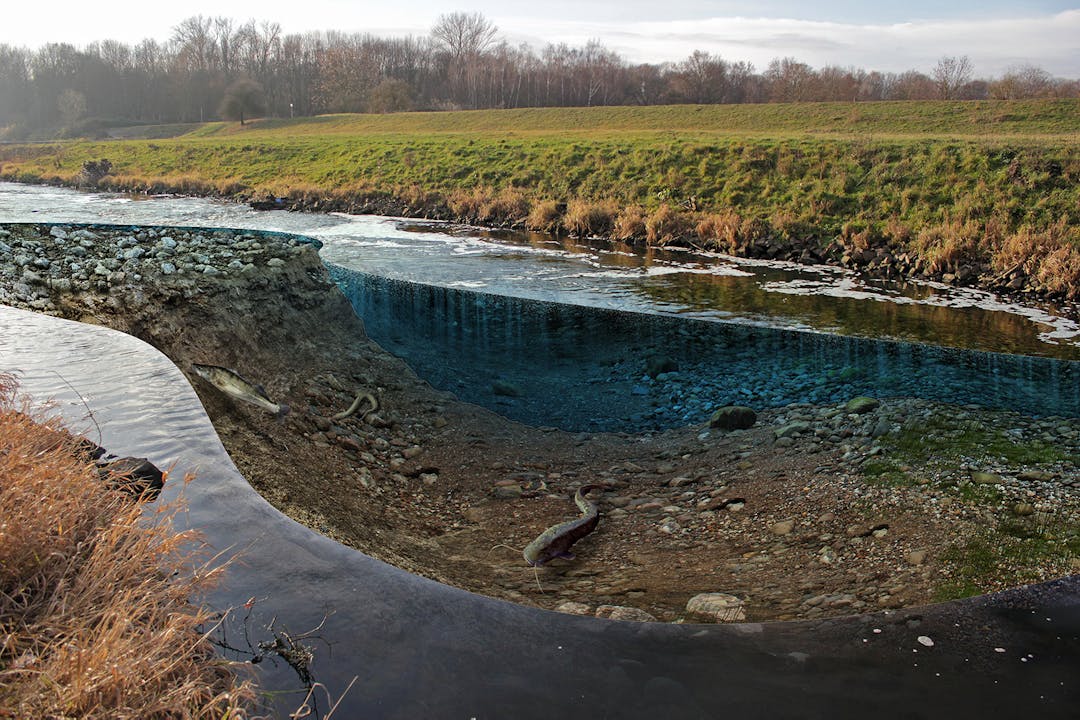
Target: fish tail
point(283, 410)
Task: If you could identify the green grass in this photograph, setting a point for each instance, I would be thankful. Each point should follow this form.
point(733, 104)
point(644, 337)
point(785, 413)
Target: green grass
point(1009, 548)
point(1006, 556)
point(945, 182)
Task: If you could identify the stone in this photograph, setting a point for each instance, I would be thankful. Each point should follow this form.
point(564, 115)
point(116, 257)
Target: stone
point(1023, 509)
point(986, 478)
point(1035, 476)
point(507, 492)
point(349, 443)
point(882, 427)
point(861, 404)
point(784, 527)
point(574, 608)
point(733, 417)
point(792, 429)
point(621, 612)
point(134, 475)
point(716, 607)
point(659, 364)
point(916, 557)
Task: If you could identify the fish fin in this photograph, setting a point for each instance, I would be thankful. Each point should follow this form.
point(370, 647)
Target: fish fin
point(565, 554)
point(283, 410)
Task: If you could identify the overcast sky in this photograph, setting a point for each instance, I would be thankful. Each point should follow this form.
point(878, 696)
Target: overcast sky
point(894, 36)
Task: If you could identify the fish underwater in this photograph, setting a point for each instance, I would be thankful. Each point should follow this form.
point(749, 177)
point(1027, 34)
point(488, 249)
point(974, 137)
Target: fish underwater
point(555, 542)
point(236, 386)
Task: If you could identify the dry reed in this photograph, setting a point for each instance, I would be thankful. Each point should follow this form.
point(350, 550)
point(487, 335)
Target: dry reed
point(95, 612)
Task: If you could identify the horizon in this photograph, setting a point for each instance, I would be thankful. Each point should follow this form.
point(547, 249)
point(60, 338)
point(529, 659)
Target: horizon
point(996, 36)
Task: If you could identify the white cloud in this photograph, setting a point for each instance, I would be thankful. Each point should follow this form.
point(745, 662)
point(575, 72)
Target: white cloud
point(993, 45)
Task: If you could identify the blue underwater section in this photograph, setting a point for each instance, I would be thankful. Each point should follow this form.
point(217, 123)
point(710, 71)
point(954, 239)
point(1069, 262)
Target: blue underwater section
point(597, 369)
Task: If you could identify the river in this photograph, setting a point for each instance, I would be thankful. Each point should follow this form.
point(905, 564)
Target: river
point(602, 274)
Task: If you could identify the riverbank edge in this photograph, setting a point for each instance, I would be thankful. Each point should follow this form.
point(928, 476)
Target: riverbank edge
point(1029, 267)
point(263, 308)
point(65, 526)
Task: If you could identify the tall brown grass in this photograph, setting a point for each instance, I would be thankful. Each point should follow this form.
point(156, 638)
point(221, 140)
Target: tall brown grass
point(667, 223)
point(544, 216)
point(630, 224)
point(584, 218)
point(720, 230)
point(95, 612)
point(489, 205)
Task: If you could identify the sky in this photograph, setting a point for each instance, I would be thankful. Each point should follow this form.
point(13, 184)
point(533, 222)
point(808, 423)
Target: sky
point(890, 37)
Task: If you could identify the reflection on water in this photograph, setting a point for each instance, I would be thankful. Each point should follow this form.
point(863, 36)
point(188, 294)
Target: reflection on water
point(601, 274)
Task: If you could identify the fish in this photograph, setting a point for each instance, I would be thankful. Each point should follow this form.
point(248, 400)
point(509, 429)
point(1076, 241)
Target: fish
point(555, 542)
point(235, 386)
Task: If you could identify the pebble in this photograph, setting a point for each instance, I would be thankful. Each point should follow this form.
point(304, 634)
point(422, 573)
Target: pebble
point(784, 527)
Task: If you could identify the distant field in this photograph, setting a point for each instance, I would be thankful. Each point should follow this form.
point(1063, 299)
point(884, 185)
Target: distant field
point(888, 119)
point(961, 177)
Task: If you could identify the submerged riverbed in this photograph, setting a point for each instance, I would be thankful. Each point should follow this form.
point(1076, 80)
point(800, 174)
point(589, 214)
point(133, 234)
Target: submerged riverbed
point(600, 274)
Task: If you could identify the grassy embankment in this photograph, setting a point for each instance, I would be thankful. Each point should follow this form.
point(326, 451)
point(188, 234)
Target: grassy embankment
point(93, 624)
point(977, 192)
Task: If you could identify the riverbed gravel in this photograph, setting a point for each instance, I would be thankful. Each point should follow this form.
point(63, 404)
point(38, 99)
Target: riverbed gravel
point(842, 505)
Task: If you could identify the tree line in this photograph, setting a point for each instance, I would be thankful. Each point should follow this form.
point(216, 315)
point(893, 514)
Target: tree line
point(215, 67)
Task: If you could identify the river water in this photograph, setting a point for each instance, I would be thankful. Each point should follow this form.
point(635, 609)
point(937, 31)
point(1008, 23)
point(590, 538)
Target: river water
point(600, 274)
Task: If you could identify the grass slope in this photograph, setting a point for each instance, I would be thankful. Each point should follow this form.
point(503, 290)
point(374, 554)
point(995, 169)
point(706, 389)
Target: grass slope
point(995, 185)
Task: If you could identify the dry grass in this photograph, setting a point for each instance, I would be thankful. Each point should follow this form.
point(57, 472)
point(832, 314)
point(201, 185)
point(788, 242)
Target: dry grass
point(630, 224)
point(949, 246)
point(589, 219)
point(95, 616)
point(720, 230)
point(665, 224)
point(544, 216)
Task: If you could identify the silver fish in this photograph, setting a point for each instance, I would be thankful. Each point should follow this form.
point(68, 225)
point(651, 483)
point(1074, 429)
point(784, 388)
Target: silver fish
point(235, 386)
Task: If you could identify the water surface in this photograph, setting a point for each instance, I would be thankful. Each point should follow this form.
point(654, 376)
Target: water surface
point(601, 274)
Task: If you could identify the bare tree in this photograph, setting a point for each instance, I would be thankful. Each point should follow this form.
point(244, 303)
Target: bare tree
point(1023, 81)
point(464, 35)
point(789, 80)
point(701, 78)
point(950, 74)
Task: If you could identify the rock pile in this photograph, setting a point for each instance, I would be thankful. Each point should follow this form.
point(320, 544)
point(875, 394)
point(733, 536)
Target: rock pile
point(38, 262)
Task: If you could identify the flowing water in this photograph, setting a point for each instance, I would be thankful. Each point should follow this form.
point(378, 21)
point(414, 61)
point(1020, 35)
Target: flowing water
point(595, 336)
point(599, 274)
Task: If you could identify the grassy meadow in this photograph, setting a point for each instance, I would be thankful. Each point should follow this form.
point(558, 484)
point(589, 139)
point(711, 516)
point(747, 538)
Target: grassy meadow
point(963, 190)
